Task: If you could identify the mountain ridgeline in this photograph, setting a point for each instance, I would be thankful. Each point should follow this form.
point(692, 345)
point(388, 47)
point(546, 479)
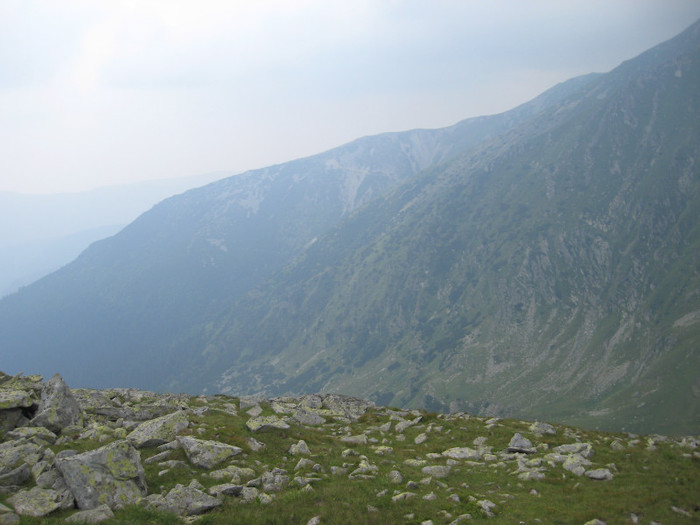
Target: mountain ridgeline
point(541, 263)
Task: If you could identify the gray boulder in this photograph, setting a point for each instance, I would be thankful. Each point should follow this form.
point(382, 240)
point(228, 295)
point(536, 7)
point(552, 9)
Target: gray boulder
point(521, 444)
point(266, 424)
point(184, 501)
point(58, 407)
point(12, 398)
point(207, 454)
point(159, 430)
point(16, 476)
point(96, 515)
point(111, 475)
point(14, 453)
point(35, 502)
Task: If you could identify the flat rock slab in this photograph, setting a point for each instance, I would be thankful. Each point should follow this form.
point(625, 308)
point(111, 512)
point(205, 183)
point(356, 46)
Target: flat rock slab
point(158, 431)
point(10, 398)
point(184, 501)
point(462, 453)
point(266, 424)
point(96, 515)
point(207, 454)
point(36, 502)
point(111, 475)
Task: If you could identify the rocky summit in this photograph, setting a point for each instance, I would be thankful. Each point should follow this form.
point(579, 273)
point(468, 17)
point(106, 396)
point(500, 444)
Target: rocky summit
point(127, 455)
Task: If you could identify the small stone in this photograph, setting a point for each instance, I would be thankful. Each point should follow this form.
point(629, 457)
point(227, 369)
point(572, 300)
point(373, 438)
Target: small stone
point(601, 474)
point(403, 496)
point(299, 448)
point(420, 439)
point(395, 477)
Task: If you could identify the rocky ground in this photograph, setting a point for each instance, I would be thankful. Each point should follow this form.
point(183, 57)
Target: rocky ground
point(125, 455)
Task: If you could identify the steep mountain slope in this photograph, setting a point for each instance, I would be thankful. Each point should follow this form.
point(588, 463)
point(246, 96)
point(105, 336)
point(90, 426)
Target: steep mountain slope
point(39, 233)
point(125, 311)
point(553, 271)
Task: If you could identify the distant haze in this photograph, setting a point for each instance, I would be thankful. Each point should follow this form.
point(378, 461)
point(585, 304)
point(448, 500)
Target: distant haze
point(99, 93)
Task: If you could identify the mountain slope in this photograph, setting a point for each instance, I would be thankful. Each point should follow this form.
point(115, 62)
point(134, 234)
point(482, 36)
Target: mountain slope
point(126, 310)
point(553, 271)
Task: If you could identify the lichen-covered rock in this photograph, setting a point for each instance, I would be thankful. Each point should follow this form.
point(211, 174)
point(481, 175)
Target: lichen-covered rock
point(462, 453)
point(360, 439)
point(96, 515)
point(35, 502)
point(542, 428)
point(521, 444)
point(583, 449)
point(184, 501)
point(15, 452)
point(12, 418)
point(16, 476)
point(233, 473)
point(299, 448)
point(12, 398)
point(346, 407)
point(266, 424)
point(308, 417)
point(274, 480)
point(207, 454)
point(58, 407)
point(158, 431)
point(600, 474)
point(38, 435)
point(436, 471)
point(111, 475)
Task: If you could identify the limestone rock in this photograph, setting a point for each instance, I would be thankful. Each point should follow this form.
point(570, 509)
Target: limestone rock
point(58, 407)
point(35, 502)
point(159, 430)
point(110, 475)
point(96, 515)
point(207, 454)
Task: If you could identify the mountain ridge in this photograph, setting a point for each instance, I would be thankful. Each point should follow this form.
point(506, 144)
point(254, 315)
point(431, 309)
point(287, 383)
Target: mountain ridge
point(541, 262)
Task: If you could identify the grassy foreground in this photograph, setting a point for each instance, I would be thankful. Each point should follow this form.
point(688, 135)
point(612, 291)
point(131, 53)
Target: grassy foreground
point(655, 478)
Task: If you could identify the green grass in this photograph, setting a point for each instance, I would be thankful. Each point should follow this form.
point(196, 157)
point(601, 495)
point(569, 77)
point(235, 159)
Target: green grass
point(646, 483)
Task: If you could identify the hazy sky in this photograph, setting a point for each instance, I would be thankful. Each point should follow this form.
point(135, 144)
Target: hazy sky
point(103, 92)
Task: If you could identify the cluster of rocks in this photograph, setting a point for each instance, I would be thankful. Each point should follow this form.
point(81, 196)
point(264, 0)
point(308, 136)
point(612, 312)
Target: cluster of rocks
point(42, 424)
point(36, 415)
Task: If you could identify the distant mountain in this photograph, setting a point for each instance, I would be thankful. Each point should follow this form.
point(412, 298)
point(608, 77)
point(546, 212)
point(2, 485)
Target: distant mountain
point(39, 233)
point(128, 307)
point(541, 262)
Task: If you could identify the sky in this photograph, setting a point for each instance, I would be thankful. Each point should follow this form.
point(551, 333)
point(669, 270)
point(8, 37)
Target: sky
point(96, 93)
